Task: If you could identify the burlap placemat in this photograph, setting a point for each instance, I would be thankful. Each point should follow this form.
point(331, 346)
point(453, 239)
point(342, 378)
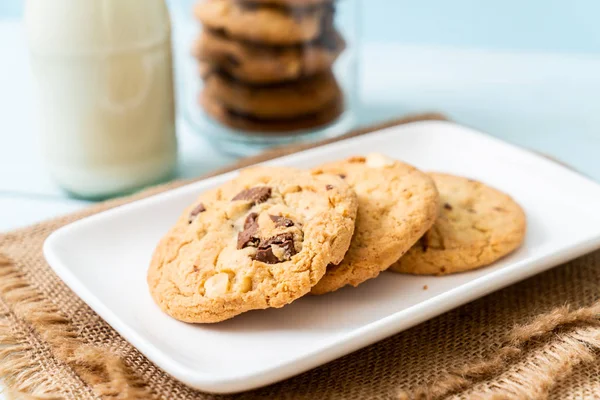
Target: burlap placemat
point(536, 339)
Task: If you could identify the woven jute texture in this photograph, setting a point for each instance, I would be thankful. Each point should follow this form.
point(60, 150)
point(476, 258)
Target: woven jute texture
point(534, 340)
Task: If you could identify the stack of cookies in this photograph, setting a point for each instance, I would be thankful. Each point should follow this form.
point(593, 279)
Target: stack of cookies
point(274, 234)
point(267, 64)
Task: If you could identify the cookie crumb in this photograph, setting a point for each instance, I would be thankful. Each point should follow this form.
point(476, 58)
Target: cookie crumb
point(425, 287)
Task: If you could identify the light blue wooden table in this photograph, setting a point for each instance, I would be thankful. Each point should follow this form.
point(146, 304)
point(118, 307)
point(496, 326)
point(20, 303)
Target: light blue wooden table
point(522, 72)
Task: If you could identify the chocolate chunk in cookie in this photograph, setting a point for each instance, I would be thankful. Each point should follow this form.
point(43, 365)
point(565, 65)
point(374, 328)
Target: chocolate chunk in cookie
point(281, 221)
point(284, 243)
point(266, 256)
point(283, 240)
point(197, 210)
point(256, 195)
point(248, 237)
point(251, 222)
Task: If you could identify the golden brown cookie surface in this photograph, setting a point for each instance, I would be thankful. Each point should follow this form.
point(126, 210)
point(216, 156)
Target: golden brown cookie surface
point(259, 64)
point(246, 122)
point(288, 100)
point(477, 226)
point(261, 240)
point(267, 25)
point(397, 204)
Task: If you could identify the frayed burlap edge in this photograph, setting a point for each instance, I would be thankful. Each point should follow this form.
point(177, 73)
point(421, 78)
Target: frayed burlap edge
point(30, 325)
point(33, 315)
point(522, 368)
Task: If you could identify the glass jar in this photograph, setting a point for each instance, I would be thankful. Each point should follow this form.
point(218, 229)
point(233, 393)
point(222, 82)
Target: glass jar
point(259, 73)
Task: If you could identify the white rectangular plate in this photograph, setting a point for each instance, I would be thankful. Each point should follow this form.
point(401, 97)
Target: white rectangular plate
point(104, 259)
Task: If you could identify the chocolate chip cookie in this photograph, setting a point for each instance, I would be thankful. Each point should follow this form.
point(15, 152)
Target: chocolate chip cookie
point(261, 240)
point(397, 205)
point(251, 123)
point(477, 225)
point(279, 101)
point(268, 25)
point(260, 64)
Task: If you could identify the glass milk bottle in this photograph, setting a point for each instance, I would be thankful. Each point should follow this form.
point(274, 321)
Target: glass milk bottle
point(103, 71)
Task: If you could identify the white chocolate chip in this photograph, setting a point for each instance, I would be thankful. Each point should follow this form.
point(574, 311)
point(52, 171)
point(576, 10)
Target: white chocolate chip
point(216, 285)
point(246, 284)
point(375, 160)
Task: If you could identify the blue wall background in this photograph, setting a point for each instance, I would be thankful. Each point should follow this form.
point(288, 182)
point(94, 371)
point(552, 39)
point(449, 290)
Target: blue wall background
point(533, 25)
point(10, 8)
point(569, 26)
